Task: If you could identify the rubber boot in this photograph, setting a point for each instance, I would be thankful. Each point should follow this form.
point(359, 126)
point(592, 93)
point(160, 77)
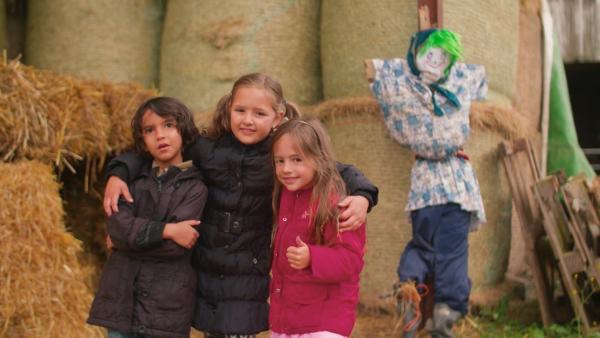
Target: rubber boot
point(440, 326)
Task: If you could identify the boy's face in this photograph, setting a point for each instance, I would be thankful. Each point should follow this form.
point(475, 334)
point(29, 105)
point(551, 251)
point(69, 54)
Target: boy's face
point(432, 63)
point(162, 139)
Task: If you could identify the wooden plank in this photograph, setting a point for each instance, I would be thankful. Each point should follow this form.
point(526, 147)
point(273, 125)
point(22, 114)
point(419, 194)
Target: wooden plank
point(429, 14)
point(521, 171)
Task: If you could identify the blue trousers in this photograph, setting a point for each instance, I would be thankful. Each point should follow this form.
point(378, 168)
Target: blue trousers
point(439, 247)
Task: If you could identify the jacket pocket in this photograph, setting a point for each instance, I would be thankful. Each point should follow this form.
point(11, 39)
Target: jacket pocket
point(304, 304)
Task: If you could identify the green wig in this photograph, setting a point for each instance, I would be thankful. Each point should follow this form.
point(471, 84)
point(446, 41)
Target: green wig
point(447, 41)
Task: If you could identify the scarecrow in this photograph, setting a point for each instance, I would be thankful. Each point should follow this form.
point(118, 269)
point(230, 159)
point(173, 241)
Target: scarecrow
point(425, 101)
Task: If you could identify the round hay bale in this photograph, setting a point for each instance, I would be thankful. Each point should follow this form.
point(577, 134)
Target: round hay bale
point(3, 27)
point(490, 35)
point(207, 45)
point(112, 39)
point(352, 31)
point(361, 138)
point(45, 290)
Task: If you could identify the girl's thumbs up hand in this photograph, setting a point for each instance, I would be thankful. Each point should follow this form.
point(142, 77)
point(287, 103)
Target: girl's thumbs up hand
point(298, 256)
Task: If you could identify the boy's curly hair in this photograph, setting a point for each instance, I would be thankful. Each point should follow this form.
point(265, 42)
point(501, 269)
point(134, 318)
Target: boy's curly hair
point(165, 107)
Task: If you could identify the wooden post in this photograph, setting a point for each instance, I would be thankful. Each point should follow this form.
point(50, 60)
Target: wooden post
point(429, 14)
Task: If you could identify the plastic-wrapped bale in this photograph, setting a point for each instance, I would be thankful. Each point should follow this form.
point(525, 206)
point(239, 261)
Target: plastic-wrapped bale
point(46, 116)
point(489, 30)
point(111, 39)
point(45, 290)
point(209, 44)
point(352, 31)
point(361, 138)
point(3, 27)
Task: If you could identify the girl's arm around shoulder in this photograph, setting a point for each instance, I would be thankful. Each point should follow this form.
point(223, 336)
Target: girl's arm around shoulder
point(342, 260)
point(358, 184)
point(199, 151)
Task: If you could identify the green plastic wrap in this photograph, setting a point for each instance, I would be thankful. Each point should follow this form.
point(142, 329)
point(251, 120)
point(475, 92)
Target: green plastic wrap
point(564, 151)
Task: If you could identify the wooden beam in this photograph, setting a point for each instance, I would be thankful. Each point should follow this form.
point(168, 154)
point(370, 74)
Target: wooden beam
point(429, 14)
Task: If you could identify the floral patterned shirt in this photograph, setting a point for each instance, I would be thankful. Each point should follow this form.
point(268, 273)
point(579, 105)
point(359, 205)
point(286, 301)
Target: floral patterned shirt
point(438, 175)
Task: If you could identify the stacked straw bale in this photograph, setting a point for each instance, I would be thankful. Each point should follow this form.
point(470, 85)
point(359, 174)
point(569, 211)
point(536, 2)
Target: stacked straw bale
point(45, 290)
point(354, 31)
point(208, 44)
point(360, 137)
point(111, 39)
point(59, 119)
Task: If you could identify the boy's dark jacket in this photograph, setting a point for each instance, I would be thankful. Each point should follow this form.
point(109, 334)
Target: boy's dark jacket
point(148, 284)
point(232, 256)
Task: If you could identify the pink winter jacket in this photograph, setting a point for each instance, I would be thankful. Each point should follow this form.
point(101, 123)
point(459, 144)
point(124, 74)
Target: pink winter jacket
point(322, 297)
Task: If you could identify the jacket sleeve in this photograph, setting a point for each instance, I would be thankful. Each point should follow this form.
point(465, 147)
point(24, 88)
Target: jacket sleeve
point(126, 166)
point(340, 261)
point(358, 184)
point(135, 234)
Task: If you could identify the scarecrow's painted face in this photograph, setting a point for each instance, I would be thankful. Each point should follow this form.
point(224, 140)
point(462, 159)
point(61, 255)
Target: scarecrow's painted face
point(433, 63)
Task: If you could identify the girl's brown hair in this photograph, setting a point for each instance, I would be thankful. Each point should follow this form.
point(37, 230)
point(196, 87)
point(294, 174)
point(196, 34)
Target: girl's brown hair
point(165, 107)
point(328, 187)
point(221, 123)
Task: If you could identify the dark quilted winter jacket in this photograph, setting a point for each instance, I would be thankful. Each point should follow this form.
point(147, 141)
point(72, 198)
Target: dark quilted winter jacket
point(148, 284)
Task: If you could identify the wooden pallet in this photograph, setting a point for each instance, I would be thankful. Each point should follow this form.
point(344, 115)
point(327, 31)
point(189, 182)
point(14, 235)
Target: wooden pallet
point(522, 172)
point(567, 209)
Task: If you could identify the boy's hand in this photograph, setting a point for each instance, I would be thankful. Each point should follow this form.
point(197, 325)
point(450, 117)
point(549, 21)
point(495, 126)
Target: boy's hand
point(182, 233)
point(298, 256)
point(354, 212)
point(115, 187)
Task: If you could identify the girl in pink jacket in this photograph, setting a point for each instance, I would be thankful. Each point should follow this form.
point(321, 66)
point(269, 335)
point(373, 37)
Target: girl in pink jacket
point(316, 268)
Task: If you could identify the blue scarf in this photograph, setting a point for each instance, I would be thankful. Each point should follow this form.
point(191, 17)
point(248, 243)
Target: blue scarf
point(415, 41)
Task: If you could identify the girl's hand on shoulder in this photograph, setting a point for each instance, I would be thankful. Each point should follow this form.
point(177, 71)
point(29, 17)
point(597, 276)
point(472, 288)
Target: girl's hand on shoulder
point(298, 256)
point(109, 243)
point(115, 188)
point(353, 212)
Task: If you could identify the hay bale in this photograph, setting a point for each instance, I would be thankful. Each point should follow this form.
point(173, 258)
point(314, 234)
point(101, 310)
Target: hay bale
point(360, 137)
point(490, 34)
point(47, 117)
point(44, 289)
point(122, 101)
point(3, 27)
point(111, 39)
point(208, 44)
point(354, 31)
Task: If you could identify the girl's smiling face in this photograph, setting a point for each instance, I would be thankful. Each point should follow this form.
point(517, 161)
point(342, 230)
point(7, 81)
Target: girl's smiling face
point(293, 169)
point(252, 115)
point(434, 61)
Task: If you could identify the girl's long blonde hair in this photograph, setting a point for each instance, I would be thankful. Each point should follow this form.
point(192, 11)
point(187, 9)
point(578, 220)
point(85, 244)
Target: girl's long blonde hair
point(221, 123)
point(315, 144)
